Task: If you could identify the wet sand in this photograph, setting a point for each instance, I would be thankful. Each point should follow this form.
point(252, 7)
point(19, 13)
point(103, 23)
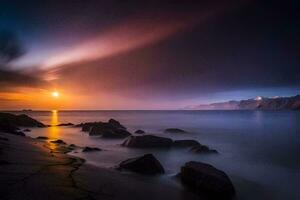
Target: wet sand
point(34, 169)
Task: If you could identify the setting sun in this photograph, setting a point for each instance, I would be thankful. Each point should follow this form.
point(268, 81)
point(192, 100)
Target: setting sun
point(55, 94)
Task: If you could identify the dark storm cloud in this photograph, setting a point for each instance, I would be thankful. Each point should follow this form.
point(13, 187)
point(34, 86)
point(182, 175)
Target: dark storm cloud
point(11, 49)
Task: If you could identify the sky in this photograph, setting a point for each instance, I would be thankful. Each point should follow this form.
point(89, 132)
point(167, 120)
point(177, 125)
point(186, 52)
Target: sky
point(123, 54)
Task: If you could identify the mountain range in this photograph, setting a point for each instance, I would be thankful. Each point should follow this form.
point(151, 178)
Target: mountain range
point(258, 103)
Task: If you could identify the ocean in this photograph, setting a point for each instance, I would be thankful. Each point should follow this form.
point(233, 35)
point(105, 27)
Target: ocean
point(259, 150)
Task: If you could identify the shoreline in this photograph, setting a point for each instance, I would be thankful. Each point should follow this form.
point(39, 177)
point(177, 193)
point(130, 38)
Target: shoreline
point(34, 169)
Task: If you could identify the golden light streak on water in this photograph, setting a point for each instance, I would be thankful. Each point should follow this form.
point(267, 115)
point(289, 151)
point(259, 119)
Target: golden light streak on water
point(54, 131)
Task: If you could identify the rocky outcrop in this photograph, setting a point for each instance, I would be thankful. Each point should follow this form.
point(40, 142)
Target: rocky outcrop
point(106, 130)
point(174, 130)
point(116, 124)
point(185, 143)
point(90, 149)
point(9, 128)
point(110, 129)
point(10, 123)
point(207, 180)
point(147, 141)
point(146, 164)
point(86, 127)
point(65, 124)
point(202, 149)
point(139, 131)
point(19, 120)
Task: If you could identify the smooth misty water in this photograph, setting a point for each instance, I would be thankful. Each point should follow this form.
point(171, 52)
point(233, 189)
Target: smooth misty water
point(259, 150)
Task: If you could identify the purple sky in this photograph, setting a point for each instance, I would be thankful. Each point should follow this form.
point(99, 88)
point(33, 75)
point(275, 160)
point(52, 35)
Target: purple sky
point(150, 54)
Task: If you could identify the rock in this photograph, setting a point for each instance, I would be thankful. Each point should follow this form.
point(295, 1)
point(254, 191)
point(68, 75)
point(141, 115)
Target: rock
point(147, 141)
point(26, 130)
point(146, 164)
point(90, 149)
point(86, 127)
point(207, 180)
point(174, 130)
point(72, 146)
point(139, 132)
point(202, 149)
point(107, 130)
point(185, 143)
point(65, 124)
point(42, 138)
point(116, 124)
point(19, 120)
point(58, 142)
point(119, 133)
point(9, 128)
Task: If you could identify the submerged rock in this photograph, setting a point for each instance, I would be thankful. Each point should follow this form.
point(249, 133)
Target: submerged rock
point(207, 180)
point(202, 149)
point(90, 149)
point(174, 130)
point(146, 164)
point(139, 132)
point(58, 142)
point(147, 141)
point(185, 143)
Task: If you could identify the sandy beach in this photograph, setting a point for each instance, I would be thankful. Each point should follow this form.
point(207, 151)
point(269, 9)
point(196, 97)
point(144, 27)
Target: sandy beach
point(34, 169)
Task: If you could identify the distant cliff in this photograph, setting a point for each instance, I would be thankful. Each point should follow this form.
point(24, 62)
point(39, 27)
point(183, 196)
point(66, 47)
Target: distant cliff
point(260, 103)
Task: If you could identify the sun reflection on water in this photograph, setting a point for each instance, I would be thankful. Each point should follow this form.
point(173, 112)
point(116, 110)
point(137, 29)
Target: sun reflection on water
point(54, 131)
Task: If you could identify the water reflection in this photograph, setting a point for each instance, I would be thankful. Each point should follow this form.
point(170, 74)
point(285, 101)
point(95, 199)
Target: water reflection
point(54, 130)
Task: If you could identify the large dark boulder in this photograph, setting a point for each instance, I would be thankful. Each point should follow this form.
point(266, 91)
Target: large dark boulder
point(185, 143)
point(147, 141)
point(174, 130)
point(146, 164)
point(86, 127)
point(207, 180)
point(110, 129)
point(107, 130)
point(19, 120)
point(116, 124)
point(202, 149)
